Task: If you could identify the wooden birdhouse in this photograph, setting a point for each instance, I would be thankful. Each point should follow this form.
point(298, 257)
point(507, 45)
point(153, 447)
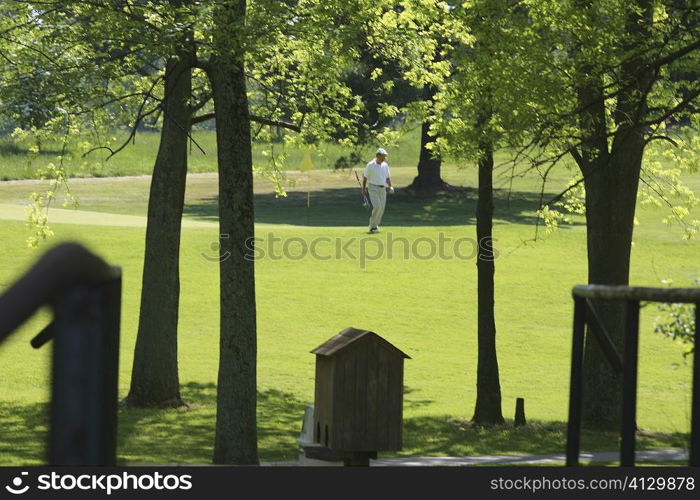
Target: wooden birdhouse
point(359, 393)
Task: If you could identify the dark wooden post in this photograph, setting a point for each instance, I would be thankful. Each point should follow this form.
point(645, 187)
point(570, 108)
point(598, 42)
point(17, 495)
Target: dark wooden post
point(695, 401)
point(520, 412)
point(85, 369)
point(358, 459)
point(573, 440)
point(629, 394)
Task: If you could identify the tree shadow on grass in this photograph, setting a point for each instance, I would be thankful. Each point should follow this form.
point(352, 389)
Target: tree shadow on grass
point(343, 207)
point(444, 436)
point(9, 147)
point(160, 436)
point(409, 399)
point(186, 435)
point(23, 433)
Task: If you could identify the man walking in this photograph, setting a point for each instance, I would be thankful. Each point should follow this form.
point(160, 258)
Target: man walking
point(378, 177)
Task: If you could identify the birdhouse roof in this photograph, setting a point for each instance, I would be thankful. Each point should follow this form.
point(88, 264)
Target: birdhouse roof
point(349, 336)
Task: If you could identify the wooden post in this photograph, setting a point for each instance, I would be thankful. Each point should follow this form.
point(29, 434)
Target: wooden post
point(358, 458)
point(520, 412)
point(695, 399)
point(573, 432)
point(629, 393)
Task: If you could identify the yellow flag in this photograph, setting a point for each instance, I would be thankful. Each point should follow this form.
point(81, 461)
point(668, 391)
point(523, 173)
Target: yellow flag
point(306, 163)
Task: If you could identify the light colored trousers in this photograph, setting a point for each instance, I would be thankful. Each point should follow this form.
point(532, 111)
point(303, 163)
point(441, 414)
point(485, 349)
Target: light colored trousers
point(377, 195)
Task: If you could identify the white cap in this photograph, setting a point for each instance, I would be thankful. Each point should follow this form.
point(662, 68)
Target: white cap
point(382, 151)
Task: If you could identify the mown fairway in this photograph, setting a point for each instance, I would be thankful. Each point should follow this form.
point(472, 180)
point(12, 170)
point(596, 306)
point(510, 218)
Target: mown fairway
point(424, 304)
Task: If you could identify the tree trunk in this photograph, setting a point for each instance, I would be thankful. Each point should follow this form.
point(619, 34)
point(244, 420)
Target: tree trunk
point(611, 181)
point(236, 434)
point(611, 194)
point(428, 180)
point(488, 388)
point(154, 378)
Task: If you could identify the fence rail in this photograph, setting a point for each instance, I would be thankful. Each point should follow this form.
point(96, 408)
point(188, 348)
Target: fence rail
point(675, 295)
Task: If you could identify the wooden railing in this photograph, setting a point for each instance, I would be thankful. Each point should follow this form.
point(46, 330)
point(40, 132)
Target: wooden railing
point(85, 295)
point(585, 313)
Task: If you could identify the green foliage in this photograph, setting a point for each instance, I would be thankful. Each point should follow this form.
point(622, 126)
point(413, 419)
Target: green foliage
point(295, 69)
point(665, 164)
point(71, 71)
point(526, 66)
point(677, 321)
point(345, 162)
point(54, 173)
point(109, 78)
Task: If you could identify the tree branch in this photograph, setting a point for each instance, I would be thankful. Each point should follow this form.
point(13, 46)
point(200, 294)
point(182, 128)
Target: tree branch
point(661, 138)
point(673, 56)
point(132, 135)
point(253, 118)
point(140, 115)
point(577, 158)
point(201, 102)
point(676, 109)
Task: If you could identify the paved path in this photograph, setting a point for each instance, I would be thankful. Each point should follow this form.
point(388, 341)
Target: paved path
point(603, 456)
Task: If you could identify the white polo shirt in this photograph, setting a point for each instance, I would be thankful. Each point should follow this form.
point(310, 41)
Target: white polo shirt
point(376, 173)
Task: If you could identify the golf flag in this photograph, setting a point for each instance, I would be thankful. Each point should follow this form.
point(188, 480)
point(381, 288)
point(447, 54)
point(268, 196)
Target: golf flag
point(306, 163)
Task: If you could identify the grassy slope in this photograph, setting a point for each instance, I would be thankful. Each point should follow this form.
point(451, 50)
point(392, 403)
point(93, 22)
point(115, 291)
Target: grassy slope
point(426, 307)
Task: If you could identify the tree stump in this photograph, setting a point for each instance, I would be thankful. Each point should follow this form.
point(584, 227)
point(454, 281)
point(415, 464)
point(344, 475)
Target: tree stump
point(520, 412)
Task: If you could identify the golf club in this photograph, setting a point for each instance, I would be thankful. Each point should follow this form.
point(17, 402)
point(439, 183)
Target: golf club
point(365, 201)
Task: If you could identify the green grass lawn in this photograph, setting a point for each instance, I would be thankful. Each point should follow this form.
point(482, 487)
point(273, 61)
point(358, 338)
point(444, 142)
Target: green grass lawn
point(426, 307)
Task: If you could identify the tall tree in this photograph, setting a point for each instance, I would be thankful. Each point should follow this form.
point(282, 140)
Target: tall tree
point(484, 19)
point(487, 409)
point(154, 377)
point(272, 43)
point(236, 431)
point(138, 39)
point(621, 95)
point(279, 59)
point(472, 113)
point(589, 78)
point(611, 172)
point(457, 47)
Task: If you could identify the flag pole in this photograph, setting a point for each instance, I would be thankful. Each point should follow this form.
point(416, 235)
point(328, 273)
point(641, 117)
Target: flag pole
point(306, 165)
